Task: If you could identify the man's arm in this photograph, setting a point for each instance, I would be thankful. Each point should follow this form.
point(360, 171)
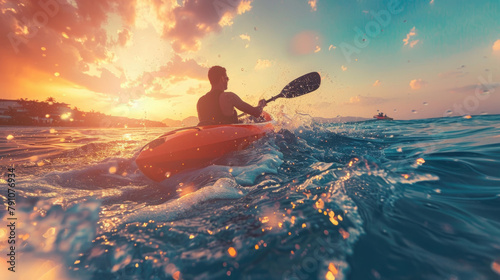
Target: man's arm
point(241, 105)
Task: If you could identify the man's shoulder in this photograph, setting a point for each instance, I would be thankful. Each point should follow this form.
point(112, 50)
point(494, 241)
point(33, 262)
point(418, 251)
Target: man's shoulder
point(229, 98)
point(229, 95)
point(201, 100)
point(203, 96)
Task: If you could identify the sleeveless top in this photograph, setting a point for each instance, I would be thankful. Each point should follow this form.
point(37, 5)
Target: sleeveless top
point(210, 113)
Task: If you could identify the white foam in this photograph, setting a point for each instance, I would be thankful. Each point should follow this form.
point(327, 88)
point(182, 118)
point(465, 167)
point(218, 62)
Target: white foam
point(224, 188)
point(268, 164)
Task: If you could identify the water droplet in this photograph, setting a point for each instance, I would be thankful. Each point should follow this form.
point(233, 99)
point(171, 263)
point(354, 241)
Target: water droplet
point(496, 266)
point(232, 252)
point(425, 103)
point(395, 110)
point(414, 111)
point(449, 112)
point(50, 232)
point(242, 69)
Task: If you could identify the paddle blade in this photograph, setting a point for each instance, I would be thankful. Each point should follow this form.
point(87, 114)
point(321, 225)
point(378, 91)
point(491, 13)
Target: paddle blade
point(302, 85)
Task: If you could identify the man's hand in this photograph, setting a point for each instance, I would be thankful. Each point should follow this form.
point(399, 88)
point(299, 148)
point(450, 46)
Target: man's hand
point(262, 103)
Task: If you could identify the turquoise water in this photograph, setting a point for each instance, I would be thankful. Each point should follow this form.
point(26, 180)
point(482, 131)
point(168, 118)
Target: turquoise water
point(413, 199)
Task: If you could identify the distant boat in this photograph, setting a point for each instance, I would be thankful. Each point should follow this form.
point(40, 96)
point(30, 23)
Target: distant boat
point(381, 116)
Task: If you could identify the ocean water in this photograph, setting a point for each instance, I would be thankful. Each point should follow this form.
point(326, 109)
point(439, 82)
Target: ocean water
point(415, 199)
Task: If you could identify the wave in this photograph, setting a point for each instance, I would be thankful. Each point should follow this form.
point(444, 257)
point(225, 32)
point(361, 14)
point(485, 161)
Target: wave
point(344, 199)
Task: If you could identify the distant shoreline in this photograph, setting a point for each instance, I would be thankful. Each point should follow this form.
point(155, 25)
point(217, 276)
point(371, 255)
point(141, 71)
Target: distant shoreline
point(78, 127)
point(24, 112)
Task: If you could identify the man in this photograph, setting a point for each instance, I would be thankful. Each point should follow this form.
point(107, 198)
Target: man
point(217, 106)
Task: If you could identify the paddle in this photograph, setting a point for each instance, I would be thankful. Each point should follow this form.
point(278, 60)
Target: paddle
point(298, 87)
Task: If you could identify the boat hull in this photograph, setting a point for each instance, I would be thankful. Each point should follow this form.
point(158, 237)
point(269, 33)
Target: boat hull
point(382, 118)
point(196, 147)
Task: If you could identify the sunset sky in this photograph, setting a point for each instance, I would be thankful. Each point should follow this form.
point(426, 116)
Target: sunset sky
point(149, 58)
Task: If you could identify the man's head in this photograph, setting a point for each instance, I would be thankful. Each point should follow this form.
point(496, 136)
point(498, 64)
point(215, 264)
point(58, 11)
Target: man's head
point(218, 77)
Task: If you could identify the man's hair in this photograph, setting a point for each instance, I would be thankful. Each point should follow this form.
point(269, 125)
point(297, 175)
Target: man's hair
point(215, 73)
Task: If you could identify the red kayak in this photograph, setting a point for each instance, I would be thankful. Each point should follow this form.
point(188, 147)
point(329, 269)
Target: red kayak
point(195, 147)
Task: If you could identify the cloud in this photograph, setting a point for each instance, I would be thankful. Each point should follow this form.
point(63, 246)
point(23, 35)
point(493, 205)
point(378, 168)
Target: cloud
point(343, 68)
point(263, 63)
point(245, 37)
point(124, 37)
point(179, 69)
point(313, 4)
point(496, 46)
point(413, 43)
point(417, 84)
point(476, 88)
point(160, 95)
point(451, 74)
point(409, 38)
point(190, 22)
point(154, 84)
point(67, 41)
point(331, 47)
point(364, 100)
point(79, 38)
point(198, 90)
point(305, 42)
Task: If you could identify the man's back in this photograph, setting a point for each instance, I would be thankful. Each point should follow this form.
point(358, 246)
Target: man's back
point(210, 111)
